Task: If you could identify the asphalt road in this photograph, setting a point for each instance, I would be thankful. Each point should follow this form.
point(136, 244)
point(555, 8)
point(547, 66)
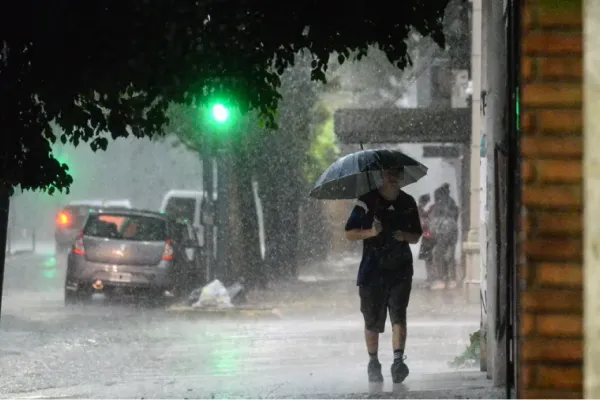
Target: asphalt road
point(128, 350)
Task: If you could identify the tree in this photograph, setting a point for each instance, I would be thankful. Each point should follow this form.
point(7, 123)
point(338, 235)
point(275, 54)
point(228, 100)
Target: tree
point(316, 239)
point(67, 62)
point(283, 182)
point(111, 68)
point(276, 160)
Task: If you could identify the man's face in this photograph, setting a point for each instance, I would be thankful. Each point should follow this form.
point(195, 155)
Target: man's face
point(392, 177)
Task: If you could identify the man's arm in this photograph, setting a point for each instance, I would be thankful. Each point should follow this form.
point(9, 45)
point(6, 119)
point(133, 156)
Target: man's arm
point(359, 226)
point(414, 235)
point(361, 234)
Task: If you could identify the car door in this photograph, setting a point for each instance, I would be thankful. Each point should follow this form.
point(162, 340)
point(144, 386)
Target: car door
point(194, 255)
point(188, 255)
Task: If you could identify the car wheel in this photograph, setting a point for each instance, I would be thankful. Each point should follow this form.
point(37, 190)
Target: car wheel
point(76, 297)
point(156, 298)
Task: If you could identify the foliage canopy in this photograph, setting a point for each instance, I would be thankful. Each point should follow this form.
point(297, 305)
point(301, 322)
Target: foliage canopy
point(111, 68)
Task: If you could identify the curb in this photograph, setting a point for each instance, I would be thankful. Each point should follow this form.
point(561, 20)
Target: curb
point(231, 313)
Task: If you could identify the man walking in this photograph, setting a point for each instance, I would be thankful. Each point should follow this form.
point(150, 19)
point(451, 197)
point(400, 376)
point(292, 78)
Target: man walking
point(386, 220)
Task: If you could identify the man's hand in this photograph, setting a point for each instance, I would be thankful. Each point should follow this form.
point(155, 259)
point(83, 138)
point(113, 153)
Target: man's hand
point(376, 228)
point(400, 236)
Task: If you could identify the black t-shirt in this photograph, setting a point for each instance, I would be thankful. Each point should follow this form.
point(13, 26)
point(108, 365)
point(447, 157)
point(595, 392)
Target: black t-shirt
point(384, 258)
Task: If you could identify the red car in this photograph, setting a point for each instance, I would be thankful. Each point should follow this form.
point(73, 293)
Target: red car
point(70, 221)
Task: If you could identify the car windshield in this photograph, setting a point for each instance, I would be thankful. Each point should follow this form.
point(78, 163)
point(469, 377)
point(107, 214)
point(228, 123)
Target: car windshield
point(181, 208)
point(126, 227)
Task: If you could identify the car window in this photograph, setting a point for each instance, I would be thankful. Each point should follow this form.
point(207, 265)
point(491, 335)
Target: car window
point(126, 227)
point(181, 208)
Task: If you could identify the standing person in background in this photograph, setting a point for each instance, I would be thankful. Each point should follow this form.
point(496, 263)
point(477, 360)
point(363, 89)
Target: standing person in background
point(427, 242)
point(444, 228)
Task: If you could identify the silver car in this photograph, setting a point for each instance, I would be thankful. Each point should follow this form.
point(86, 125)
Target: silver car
point(131, 251)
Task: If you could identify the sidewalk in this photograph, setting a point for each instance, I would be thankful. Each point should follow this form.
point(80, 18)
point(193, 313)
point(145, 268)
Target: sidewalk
point(329, 288)
point(451, 385)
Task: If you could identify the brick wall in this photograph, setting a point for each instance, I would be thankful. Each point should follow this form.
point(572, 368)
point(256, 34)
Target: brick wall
point(551, 329)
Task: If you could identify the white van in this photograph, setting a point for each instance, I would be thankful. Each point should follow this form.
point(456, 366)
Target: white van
point(124, 203)
point(187, 204)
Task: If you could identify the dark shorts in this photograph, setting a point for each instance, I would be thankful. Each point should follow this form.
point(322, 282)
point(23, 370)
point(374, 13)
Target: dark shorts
point(376, 301)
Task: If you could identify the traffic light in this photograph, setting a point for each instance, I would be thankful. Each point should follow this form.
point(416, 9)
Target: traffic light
point(220, 114)
point(218, 120)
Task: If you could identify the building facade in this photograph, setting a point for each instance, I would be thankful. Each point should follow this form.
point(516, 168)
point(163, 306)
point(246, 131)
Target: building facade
point(550, 251)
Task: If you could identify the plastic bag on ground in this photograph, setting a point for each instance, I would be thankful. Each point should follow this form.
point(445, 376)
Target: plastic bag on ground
point(237, 293)
point(214, 295)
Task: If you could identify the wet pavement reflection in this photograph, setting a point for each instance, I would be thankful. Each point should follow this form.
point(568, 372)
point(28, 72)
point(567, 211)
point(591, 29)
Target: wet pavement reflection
point(128, 349)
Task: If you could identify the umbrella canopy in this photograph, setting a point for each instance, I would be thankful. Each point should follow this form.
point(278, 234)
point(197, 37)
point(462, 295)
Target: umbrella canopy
point(358, 173)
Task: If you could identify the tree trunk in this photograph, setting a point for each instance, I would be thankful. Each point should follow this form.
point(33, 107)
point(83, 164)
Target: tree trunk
point(270, 200)
point(281, 196)
point(4, 207)
point(224, 232)
point(289, 207)
point(316, 239)
point(247, 237)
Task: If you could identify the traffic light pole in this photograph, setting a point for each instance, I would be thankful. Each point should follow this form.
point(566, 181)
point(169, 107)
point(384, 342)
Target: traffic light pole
point(208, 209)
point(215, 216)
point(222, 209)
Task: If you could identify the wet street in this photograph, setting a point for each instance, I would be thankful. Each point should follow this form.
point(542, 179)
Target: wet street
point(130, 351)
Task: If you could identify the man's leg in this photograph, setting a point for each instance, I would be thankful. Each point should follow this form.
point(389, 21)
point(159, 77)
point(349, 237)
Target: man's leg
point(373, 308)
point(398, 304)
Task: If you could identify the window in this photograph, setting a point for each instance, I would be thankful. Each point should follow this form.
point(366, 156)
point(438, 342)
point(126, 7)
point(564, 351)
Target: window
point(181, 208)
point(126, 227)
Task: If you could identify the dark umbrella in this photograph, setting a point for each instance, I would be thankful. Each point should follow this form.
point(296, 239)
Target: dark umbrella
point(358, 173)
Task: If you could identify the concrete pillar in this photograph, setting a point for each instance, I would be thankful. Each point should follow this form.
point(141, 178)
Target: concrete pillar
point(591, 174)
point(496, 137)
point(483, 197)
point(471, 246)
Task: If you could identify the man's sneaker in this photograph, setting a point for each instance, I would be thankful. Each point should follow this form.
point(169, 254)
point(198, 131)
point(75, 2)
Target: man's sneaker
point(375, 377)
point(399, 371)
point(374, 371)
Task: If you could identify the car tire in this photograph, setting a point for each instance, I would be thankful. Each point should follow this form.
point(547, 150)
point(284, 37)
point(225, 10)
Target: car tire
point(76, 297)
point(156, 299)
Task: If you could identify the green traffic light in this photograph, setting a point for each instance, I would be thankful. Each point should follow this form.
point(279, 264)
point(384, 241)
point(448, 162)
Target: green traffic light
point(220, 113)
